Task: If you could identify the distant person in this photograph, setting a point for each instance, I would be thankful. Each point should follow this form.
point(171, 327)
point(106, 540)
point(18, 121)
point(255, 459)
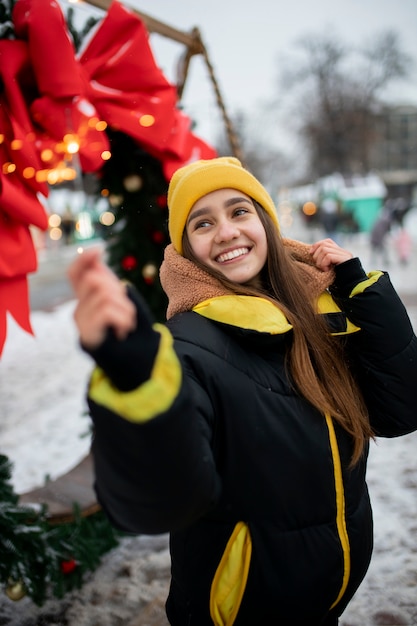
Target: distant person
point(399, 208)
point(242, 426)
point(402, 240)
point(379, 235)
point(403, 245)
point(67, 226)
point(330, 217)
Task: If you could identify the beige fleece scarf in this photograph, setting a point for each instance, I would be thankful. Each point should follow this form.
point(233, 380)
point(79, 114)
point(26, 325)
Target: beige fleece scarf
point(187, 285)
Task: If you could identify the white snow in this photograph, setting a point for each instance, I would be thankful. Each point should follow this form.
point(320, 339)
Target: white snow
point(43, 426)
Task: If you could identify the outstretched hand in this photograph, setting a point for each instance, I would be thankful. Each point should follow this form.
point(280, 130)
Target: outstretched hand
point(102, 300)
point(326, 254)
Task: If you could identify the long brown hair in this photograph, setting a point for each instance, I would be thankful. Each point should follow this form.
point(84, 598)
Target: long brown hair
point(316, 361)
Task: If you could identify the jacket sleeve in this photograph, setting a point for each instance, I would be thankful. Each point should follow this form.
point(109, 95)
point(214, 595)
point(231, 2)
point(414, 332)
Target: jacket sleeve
point(384, 353)
point(154, 470)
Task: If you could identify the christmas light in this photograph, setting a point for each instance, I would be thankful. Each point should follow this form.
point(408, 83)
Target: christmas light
point(132, 183)
point(147, 120)
point(8, 167)
point(107, 218)
point(28, 172)
point(92, 122)
point(72, 143)
point(54, 220)
point(115, 200)
point(16, 144)
point(55, 234)
point(52, 177)
point(47, 155)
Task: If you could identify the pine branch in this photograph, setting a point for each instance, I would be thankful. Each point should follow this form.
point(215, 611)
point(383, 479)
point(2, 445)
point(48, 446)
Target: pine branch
point(47, 559)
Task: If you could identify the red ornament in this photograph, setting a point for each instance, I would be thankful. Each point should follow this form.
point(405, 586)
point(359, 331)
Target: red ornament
point(68, 566)
point(158, 236)
point(161, 201)
point(149, 273)
point(129, 263)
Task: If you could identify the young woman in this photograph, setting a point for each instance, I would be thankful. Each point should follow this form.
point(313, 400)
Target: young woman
point(242, 426)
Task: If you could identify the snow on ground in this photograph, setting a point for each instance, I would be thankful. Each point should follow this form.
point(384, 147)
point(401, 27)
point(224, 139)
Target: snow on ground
point(44, 431)
point(43, 425)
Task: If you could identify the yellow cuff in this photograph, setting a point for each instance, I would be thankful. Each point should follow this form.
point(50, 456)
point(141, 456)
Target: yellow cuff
point(373, 278)
point(153, 397)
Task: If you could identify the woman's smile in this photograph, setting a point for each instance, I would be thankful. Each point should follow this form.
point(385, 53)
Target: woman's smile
point(232, 255)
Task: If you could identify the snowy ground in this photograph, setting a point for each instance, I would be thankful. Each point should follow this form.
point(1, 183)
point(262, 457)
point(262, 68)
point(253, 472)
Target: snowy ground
point(45, 432)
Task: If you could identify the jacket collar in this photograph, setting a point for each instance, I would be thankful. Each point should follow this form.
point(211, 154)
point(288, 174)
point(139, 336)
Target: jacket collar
point(247, 312)
point(187, 286)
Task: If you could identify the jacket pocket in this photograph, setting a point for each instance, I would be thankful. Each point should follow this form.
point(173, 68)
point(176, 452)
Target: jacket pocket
point(231, 576)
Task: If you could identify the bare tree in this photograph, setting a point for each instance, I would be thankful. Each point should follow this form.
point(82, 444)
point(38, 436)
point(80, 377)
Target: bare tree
point(259, 155)
point(338, 97)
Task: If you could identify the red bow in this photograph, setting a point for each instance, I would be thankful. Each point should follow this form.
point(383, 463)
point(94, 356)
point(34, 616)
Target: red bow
point(115, 79)
point(50, 94)
point(132, 94)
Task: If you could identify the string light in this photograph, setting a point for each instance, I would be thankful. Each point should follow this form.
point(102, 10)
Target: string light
point(29, 172)
point(72, 144)
point(147, 120)
point(107, 218)
point(16, 144)
point(47, 155)
point(8, 168)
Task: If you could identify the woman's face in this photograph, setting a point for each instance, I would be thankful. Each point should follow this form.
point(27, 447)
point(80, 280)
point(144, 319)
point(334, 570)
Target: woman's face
point(225, 233)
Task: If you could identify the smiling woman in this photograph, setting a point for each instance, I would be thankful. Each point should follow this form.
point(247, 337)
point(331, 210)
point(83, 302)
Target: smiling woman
point(258, 399)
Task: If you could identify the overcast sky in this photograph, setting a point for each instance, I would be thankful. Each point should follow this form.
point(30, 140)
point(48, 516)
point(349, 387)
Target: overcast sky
point(247, 40)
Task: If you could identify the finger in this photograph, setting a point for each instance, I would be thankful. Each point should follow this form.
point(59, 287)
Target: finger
point(98, 312)
point(99, 279)
point(84, 261)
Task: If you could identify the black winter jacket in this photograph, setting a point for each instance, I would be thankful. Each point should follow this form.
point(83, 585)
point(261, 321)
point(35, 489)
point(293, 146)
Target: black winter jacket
point(268, 524)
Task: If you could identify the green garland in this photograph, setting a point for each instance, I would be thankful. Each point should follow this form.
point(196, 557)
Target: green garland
point(39, 559)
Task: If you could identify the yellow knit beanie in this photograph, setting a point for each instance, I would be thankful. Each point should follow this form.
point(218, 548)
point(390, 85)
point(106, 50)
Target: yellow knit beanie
point(193, 181)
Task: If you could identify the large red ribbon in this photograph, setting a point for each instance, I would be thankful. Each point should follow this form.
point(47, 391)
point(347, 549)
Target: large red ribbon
point(132, 94)
point(49, 92)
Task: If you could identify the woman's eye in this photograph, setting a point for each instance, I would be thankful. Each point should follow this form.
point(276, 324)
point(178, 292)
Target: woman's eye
point(202, 224)
point(240, 211)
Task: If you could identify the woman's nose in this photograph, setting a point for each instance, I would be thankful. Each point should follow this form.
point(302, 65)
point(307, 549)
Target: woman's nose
point(226, 231)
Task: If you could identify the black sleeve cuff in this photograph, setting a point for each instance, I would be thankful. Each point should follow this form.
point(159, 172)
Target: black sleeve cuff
point(128, 363)
point(347, 276)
